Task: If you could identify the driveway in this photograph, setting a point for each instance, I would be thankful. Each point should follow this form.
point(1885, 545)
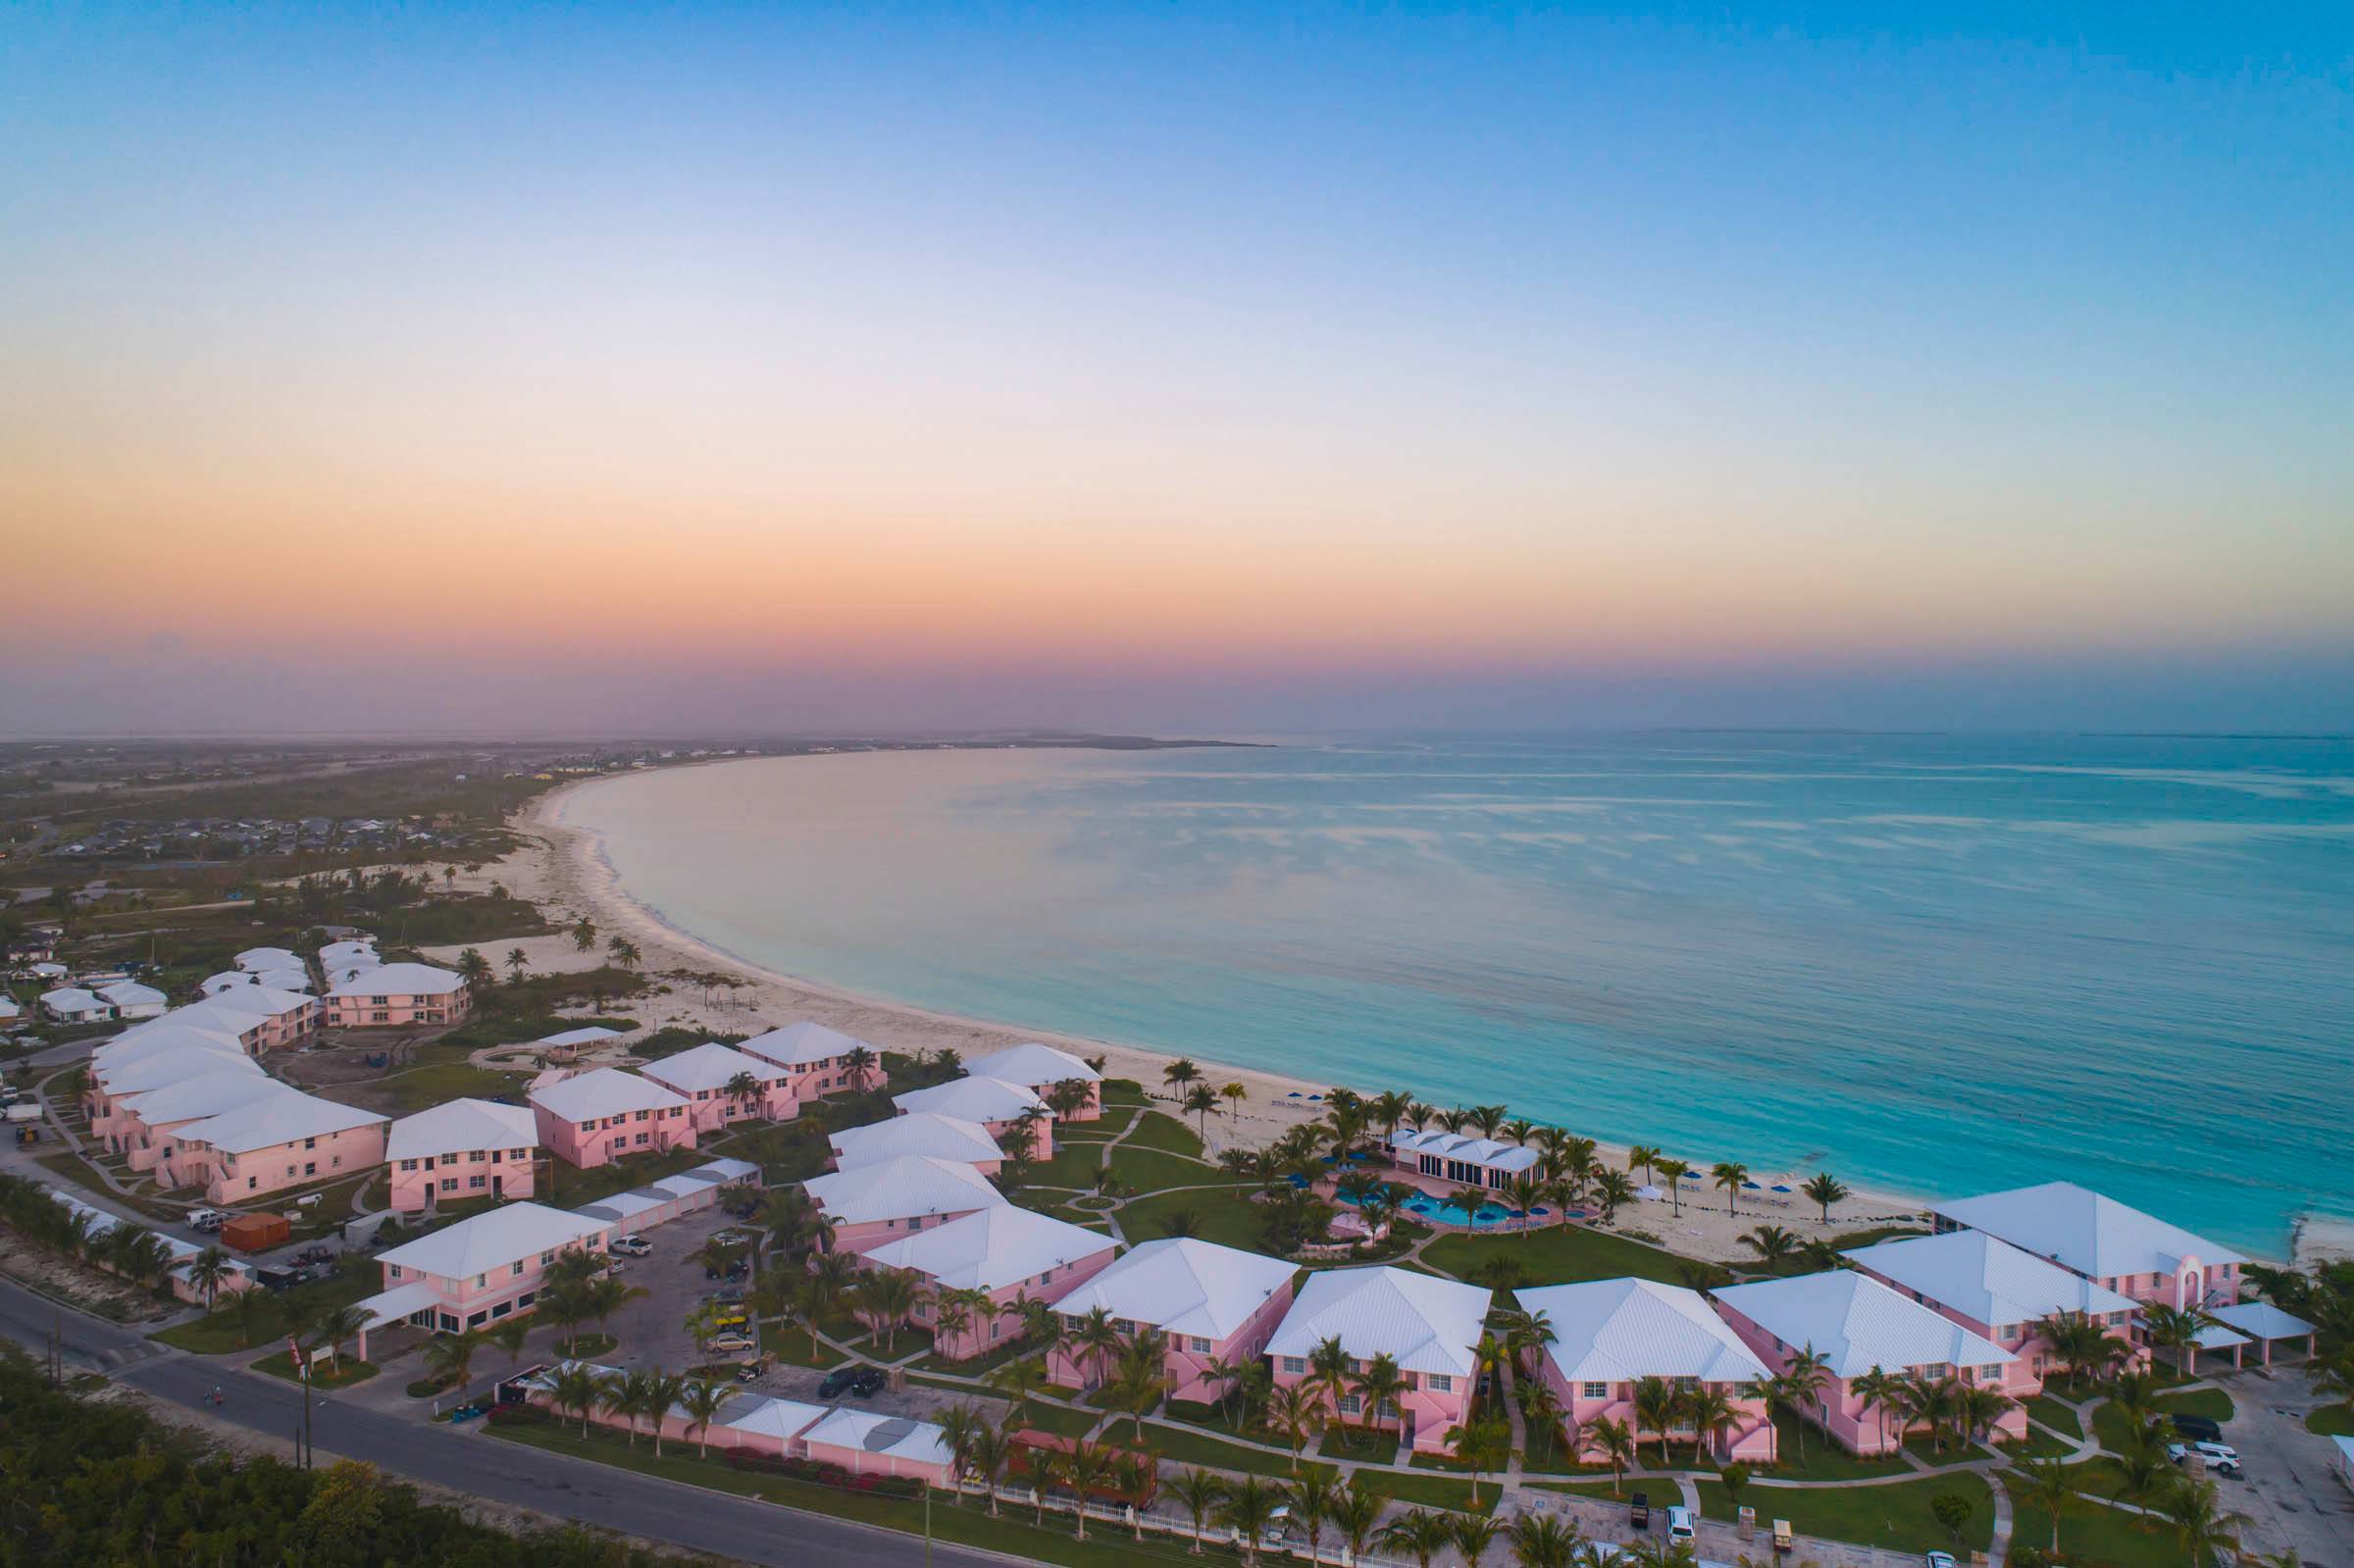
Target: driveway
point(2293, 1495)
point(652, 1329)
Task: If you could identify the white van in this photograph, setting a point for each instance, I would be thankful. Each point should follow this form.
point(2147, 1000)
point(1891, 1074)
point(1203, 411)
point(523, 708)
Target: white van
point(1679, 1522)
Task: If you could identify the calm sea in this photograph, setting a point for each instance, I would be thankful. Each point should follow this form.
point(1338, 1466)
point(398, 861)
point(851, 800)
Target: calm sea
point(1944, 964)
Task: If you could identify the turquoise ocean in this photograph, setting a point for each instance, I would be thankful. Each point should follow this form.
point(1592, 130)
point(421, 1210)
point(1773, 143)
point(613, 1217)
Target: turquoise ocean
point(1935, 964)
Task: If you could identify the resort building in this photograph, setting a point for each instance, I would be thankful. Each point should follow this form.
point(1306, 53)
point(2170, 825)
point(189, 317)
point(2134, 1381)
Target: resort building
point(946, 1138)
point(1217, 1304)
point(771, 1427)
point(2256, 1323)
point(996, 1105)
point(1005, 1254)
point(264, 1018)
point(397, 996)
point(278, 1140)
point(1994, 1290)
point(872, 1204)
point(479, 1270)
point(566, 1044)
point(352, 953)
point(1427, 1328)
point(600, 1115)
point(459, 1151)
point(126, 1068)
point(669, 1197)
point(867, 1444)
point(1610, 1335)
point(138, 1126)
point(1446, 1160)
point(131, 999)
point(1039, 1068)
point(822, 1061)
point(72, 1004)
point(255, 960)
point(2117, 1248)
point(709, 1076)
point(1859, 1325)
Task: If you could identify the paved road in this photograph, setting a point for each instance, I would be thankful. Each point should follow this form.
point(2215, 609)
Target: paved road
point(690, 1517)
point(2295, 1499)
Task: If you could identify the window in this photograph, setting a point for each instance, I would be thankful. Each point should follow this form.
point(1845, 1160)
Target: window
point(310, 1142)
point(1294, 1363)
point(481, 1280)
point(478, 1182)
point(449, 1183)
point(1597, 1390)
point(517, 1269)
point(1442, 1382)
point(587, 1126)
point(1350, 1404)
point(1200, 1345)
point(391, 1271)
point(310, 1167)
point(547, 1257)
point(408, 1165)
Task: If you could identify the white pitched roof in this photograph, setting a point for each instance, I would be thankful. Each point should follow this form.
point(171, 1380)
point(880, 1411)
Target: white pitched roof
point(292, 980)
point(604, 1092)
point(346, 955)
point(9, 1007)
point(1422, 1323)
point(918, 1442)
point(399, 1304)
point(709, 1065)
point(462, 1123)
point(1985, 1278)
point(173, 1067)
point(2080, 1228)
point(946, 1138)
point(800, 1045)
point(274, 1119)
point(1623, 1331)
point(992, 1248)
point(164, 1037)
point(1488, 1151)
point(72, 999)
point(245, 1003)
point(130, 993)
point(492, 1240)
point(226, 978)
point(974, 1100)
point(1184, 1285)
point(1032, 1063)
point(1857, 1324)
point(267, 958)
point(397, 980)
point(2261, 1320)
point(587, 1036)
point(894, 1190)
point(782, 1419)
point(200, 1094)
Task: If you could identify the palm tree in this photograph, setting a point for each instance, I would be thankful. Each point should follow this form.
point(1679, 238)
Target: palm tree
point(885, 1297)
point(1378, 1385)
point(1541, 1407)
point(208, 1271)
point(1141, 1382)
point(1246, 1507)
point(509, 1336)
point(1487, 1118)
point(248, 1307)
point(450, 1356)
point(1179, 1072)
point(742, 1089)
point(1094, 1339)
point(516, 962)
point(1729, 1175)
point(1526, 1191)
point(1641, 1157)
point(1089, 1469)
point(1977, 1408)
point(342, 1324)
point(1611, 1189)
point(703, 1398)
point(583, 934)
point(2170, 1328)
point(858, 1065)
point(1485, 1447)
point(1420, 1533)
point(1519, 1130)
point(2209, 1532)
point(1311, 1498)
point(577, 1387)
point(1328, 1369)
point(1825, 1189)
point(1295, 1411)
point(619, 1395)
point(1878, 1391)
point(990, 1449)
point(1475, 1534)
point(1798, 1388)
point(1711, 1415)
point(1197, 1493)
point(606, 1296)
point(1933, 1400)
point(662, 1391)
point(1540, 1540)
point(1235, 1094)
point(1773, 1244)
point(1672, 1173)
point(1615, 1441)
point(1018, 1380)
point(1202, 1099)
point(2047, 1485)
point(1356, 1513)
point(1658, 1404)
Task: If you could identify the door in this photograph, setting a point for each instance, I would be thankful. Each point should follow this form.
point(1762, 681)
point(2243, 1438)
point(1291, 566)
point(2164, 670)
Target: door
point(499, 1187)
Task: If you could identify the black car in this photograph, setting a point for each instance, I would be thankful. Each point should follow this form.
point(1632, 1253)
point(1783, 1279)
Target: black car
point(1638, 1513)
point(2199, 1429)
point(863, 1381)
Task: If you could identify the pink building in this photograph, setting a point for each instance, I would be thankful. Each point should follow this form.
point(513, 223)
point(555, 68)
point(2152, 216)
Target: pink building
point(459, 1151)
point(263, 1017)
point(1008, 1254)
point(704, 1076)
point(272, 1143)
point(822, 1061)
point(151, 1057)
point(946, 1138)
point(484, 1268)
point(2117, 1248)
point(771, 1427)
point(396, 996)
point(593, 1117)
point(873, 1204)
point(1994, 1290)
point(991, 1103)
point(865, 1443)
point(1611, 1335)
point(140, 1127)
point(1214, 1303)
point(1039, 1068)
point(1857, 1325)
point(1427, 1326)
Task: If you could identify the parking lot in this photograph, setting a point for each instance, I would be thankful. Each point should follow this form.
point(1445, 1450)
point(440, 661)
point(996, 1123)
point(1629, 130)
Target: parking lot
point(653, 1327)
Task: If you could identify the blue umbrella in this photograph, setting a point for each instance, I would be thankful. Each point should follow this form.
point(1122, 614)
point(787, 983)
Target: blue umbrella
point(1752, 1187)
point(1691, 1175)
point(1316, 1096)
point(1778, 1187)
point(1293, 1095)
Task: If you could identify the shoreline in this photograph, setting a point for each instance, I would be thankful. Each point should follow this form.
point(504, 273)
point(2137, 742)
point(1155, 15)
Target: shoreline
point(562, 867)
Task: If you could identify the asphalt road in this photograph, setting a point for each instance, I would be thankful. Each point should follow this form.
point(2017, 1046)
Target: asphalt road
point(712, 1522)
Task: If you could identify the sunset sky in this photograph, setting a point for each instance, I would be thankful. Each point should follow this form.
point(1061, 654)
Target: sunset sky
point(1254, 368)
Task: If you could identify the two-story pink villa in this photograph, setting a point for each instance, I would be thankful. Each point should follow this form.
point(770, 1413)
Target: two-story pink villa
point(152, 1058)
point(396, 996)
point(1611, 1335)
point(1039, 1068)
point(462, 1150)
point(268, 1144)
point(1215, 1304)
point(1857, 1325)
point(2117, 1248)
point(1994, 1290)
point(707, 1076)
point(265, 1017)
point(992, 1102)
point(1427, 1326)
point(600, 1115)
point(946, 1138)
point(484, 1268)
point(872, 1204)
point(140, 1126)
point(822, 1061)
point(1008, 1254)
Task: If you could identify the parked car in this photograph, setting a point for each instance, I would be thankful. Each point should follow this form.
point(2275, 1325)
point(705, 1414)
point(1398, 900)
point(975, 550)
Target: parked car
point(1679, 1522)
point(1941, 1559)
point(732, 1343)
point(863, 1381)
point(1638, 1512)
point(2221, 1457)
point(206, 1219)
point(1278, 1525)
point(632, 1246)
point(2202, 1428)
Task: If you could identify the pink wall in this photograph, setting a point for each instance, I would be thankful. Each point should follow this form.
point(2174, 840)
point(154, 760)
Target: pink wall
point(498, 1173)
point(867, 1235)
point(234, 1179)
point(712, 1110)
point(1427, 1413)
point(594, 1144)
point(859, 1462)
point(1186, 1366)
point(464, 1297)
point(1751, 1442)
point(398, 1012)
point(2035, 1351)
point(979, 1336)
point(1845, 1415)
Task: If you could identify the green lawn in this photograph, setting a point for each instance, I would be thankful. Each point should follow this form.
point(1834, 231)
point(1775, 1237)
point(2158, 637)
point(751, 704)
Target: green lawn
point(1062, 1420)
point(2094, 1537)
point(1585, 1488)
point(1161, 1130)
point(2058, 1414)
point(1559, 1254)
point(1366, 1447)
point(2332, 1421)
point(338, 1375)
point(1121, 1091)
point(1228, 1217)
point(218, 1334)
point(1437, 1491)
point(2109, 1425)
point(1073, 1165)
point(1148, 1170)
point(1896, 1517)
point(1188, 1446)
point(1824, 1460)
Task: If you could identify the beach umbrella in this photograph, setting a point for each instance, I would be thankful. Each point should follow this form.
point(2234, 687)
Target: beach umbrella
point(1293, 1095)
point(1691, 1175)
point(1316, 1096)
point(1752, 1187)
point(1779, 1188)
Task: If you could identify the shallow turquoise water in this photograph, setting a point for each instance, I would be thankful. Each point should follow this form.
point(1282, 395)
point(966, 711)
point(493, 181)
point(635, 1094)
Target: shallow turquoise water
point(1944, 964)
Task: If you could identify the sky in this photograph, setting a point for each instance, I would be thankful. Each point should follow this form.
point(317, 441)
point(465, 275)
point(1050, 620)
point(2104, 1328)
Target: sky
point(514, 370)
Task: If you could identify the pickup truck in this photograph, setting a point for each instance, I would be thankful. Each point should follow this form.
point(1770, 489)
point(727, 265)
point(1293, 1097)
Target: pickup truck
point(1638, 1513)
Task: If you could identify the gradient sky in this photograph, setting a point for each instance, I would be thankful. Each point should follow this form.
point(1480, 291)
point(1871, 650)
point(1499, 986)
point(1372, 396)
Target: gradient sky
point(512, 369)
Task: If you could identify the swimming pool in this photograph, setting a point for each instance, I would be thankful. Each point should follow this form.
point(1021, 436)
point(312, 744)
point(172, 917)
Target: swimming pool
point(1422, 1206)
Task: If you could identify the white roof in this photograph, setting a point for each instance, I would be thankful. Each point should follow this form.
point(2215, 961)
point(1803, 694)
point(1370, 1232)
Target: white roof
point(294, 979)
point(604, 1091)
point(274, 1119)
point(782, 1419)
point(1623, 1331)
point(1986, 1279)
point(72, 999)
point(894, 1190)
point(2261, 1320)
point(172, 1033)
point(245, 1002)
point(725, 1170)
point(200, 1094)
point(132, 1077)
point(709, 1065)
point(1183, 1285)
point(918, 1442)
point(346, 954)
point(1032, 1063)
point(130, 993)
point(946, 1138)
point(800, 1045)
point(48, 968)
point(2084, 1231)
point(267, 958)
point(462, 1123)
point(399, 1303)
point(493, 1238)
point(183, 1252)
point(8, 1006)
point(1423, 1323)
point(399, 979)
point(587, 1036)
point(1488, 1151)
point(992, 1248)
point(2215, 1336)
point(1857, 1324)
point(974, 1100)
point(226, 979)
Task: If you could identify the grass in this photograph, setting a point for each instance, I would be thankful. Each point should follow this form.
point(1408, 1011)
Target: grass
point(1121, 1091)
point(417, 1089)
point(1149, 1170)
point(2109, 1421)
point(1896, 1517)
point(1228, 1217)
point(340, 1374)
point(1584, 1488)
point(217, 1332)
point(1379, 1446)
point(1074, 1164)
point(1561, 1254)
point(2058, 1414)
point(1439, 1491)
point(1062, 1420)
point(1824, 1459)
point(2094, 1537)
point(2332, 1421)
point(1188, 1446)
point(1157, 1130)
